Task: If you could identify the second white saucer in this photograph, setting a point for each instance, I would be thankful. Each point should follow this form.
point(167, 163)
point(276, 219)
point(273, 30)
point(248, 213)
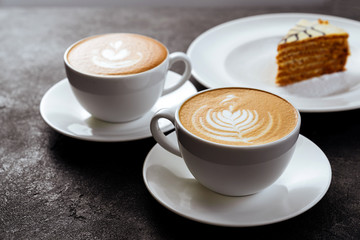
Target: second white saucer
point(302, 185)
point(61, 111)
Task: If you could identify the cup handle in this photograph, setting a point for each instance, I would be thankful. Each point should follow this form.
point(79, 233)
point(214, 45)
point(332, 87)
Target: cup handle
point(159, 135)
point(174, 57)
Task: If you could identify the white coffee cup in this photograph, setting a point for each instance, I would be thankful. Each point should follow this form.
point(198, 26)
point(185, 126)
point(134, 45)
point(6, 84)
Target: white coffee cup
point(122, 98)
point(227, 169)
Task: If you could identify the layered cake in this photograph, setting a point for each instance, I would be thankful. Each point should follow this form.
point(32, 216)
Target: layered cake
point(311, 49)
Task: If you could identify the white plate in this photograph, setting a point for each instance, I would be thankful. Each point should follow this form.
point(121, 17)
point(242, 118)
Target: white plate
point(61, 111)
point(242, 53)
point(304, 182)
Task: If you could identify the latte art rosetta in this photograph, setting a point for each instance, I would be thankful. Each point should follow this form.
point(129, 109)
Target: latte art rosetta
point(238, 116)
point(242, 125)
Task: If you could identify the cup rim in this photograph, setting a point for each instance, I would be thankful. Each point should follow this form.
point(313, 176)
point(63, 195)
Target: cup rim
point(112, 76)
point(250, 147)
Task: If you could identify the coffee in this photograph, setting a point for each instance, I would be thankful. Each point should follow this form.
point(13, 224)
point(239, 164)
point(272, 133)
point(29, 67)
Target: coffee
point(116, 54)
point(238, 116)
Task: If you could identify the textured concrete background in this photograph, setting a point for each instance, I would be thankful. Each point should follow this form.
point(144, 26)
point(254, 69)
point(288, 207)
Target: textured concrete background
point(56, 187)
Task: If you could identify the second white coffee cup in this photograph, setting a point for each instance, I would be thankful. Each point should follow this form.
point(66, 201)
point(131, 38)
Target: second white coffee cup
point(209, 126)
point(121, 97)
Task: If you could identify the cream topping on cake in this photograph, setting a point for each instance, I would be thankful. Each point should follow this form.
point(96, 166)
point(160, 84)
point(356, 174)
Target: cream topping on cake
point(305, 29)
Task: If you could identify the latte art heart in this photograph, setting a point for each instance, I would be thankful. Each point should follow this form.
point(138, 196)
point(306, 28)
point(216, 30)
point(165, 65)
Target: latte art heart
point(113, 56)
point(238, 116)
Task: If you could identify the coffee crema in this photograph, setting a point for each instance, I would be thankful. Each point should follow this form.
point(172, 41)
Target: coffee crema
point(116, 54)
point(238, 116)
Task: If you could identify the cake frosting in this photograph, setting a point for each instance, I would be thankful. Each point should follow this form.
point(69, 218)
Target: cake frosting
point(305, 29)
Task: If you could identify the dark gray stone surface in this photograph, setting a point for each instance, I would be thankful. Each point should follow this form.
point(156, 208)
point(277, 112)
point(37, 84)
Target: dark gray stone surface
point(56, 187)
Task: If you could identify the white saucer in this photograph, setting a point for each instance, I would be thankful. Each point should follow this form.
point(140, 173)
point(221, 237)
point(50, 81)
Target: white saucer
point(61, 111)
point(242, 52)
point(302, 185)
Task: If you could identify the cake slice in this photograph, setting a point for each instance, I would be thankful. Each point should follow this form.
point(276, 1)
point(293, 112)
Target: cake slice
point(311, 49)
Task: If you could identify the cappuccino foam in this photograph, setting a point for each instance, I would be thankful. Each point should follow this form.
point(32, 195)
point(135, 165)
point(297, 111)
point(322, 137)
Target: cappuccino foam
point(116, 54)
point(238, 116)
